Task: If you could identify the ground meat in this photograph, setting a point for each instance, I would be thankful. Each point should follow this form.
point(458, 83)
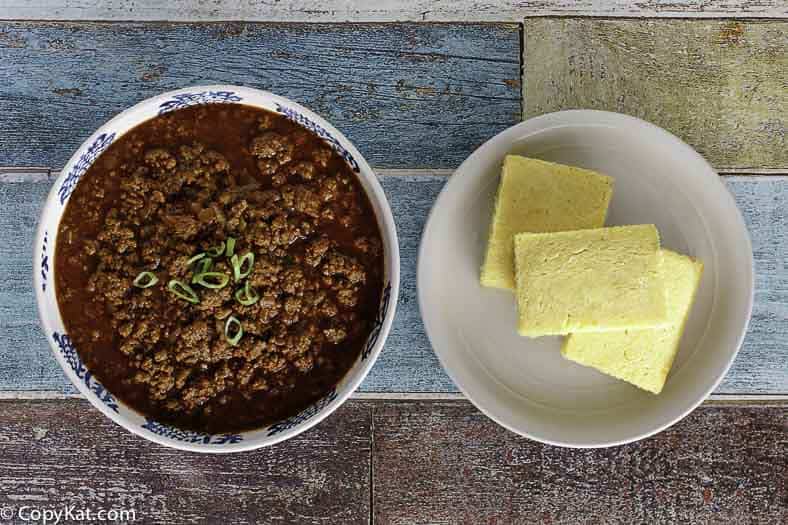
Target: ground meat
point(160, 159)
point(293, 281)
point(282, 194)
point(272, 145)
point(316, 249)
point(305, 170)
point(328, 189)
point(182, 226)
point(302, 200)
point(118, 235)
point(212, 301)
point(347, 297)
point(192, 344)
point(207, 387)
point(335, 335)
point(368, 245)
point(268, 307)
point(322, 156)
point(345, 266)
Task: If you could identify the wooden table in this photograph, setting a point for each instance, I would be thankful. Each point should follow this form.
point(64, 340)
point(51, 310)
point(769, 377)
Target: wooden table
point(416, 97)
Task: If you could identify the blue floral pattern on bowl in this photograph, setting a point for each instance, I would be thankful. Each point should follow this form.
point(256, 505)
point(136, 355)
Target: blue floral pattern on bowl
point(184, 100)
point(305, 415)
point(69, 353)
point(321, 132)
point(189, 436)
point(44, 262)
point(377, 325)
point(64, 347)
point(101, 143)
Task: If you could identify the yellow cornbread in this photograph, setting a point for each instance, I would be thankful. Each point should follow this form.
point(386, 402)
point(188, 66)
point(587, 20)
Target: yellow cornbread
point(589, 280)
point(538, 196)
point(643, 357)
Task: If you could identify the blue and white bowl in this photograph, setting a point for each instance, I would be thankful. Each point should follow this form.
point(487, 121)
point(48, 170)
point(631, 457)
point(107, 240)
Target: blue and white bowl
point(44, 271)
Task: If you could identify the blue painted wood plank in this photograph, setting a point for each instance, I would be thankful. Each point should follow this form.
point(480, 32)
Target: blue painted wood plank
point(408, 95)
point(762, 363)
point(408, 363)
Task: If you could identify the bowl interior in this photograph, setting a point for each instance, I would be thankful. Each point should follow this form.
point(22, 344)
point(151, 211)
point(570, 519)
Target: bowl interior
point(52, 323)
point(524, 383)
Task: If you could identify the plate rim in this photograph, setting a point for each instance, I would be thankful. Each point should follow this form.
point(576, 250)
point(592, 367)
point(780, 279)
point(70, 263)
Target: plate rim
point(587, 117)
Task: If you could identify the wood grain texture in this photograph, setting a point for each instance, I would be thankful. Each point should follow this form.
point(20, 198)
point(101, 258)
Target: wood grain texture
point(438, 462)
point(722, 86)
point(407, 95)
point(446, 463)
point(376, 11)
point(58, 453)
point(407, 363)
point(764, 352)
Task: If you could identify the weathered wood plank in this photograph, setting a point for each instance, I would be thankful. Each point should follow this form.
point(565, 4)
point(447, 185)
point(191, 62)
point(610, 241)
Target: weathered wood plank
point(408, 95)
point(408, 363)
point(445, 463)
point(377, 11)
point(63, 453)
point(722, 86)
point(414, 462)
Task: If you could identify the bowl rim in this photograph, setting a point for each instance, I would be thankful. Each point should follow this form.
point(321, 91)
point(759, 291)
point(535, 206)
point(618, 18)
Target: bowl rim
point(355, 375)
point(591, 117)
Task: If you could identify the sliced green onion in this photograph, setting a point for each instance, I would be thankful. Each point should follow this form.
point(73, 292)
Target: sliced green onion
point(247, 295)
point(145, 280)
point(212, 279)
point(215, 251)
point(195, 259)
point(184, 291)
point(203, 266)
point(233, 340)
point(230, 246)
point(238, 265)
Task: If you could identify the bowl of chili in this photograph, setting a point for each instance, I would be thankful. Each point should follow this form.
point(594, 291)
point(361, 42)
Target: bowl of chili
point(216, 268)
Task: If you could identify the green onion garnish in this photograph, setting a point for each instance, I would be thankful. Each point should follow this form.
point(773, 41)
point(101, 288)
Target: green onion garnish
point(246, 295)
point(238, 265)
point(230, 246)
point(215, 251)
point(203, 266)
point(195, 259)
point(145, 280)
point(212, 279)
point(238, 333)
point(184, 291)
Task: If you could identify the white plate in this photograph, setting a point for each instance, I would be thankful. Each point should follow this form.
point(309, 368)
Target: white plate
point(524, 384)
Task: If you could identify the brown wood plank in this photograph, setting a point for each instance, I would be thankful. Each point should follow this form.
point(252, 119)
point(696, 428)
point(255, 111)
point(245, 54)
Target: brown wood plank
point(56, 453)
point(444, 462)
point(721, 85)
point(434, 462)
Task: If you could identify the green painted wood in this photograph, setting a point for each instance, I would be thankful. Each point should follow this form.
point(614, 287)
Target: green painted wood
point(722, 86)
point(407, 95)
point(445, 463)
point(408, 363)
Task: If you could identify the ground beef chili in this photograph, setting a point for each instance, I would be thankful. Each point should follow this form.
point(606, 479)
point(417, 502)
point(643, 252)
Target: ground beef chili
point(177, 186)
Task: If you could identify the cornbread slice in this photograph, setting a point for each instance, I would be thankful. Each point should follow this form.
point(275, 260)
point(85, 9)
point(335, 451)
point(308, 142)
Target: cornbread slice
point(538, 196)
point(643, 357)
point(589, 280)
